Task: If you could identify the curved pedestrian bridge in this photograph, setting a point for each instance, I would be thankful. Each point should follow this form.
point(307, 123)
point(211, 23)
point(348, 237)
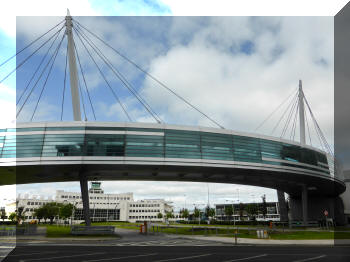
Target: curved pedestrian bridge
point(60, 151)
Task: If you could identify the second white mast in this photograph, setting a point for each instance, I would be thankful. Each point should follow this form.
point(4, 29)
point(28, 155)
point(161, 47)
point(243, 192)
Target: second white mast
point(73, 72)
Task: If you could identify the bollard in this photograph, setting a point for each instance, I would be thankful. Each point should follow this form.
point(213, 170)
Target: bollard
point(192, 230)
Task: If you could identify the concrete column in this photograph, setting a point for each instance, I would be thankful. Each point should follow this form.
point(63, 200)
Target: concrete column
point(282, 206)
point(304, 204)
point(85, 198)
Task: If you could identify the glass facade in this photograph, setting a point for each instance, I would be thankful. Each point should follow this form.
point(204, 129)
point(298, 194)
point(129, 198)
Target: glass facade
point(158, 143)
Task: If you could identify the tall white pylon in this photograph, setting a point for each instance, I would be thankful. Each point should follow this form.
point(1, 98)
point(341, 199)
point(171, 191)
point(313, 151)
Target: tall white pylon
point(301, 114)
point(73, 72)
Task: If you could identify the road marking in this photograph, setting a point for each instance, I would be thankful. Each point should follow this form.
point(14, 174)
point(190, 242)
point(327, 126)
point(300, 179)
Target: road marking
point(182, 258)
point(49, 258)
point(36, 253)
point(246, 258)
point(115, 258)
point(309, 259)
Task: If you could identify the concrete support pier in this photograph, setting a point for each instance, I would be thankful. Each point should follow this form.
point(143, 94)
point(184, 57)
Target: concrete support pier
point(282, 206)
point(304, 204)
point(85, 198)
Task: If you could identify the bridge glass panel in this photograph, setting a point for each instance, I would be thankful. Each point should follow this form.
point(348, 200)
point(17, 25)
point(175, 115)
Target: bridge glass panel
point(182, 144)
point(107, 128)
point(29, 145)
point(105, 145)
point(2, 140)
point(270, 149)
point(144, 146)
point(291, 153)
point(30, 129)
point(63, 145)
point(246, 149)
point(216, 146)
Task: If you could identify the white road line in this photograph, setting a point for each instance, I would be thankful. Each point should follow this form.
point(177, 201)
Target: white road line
point(49, 258)
point(309, 259)
point(246, 258)
point(36, 253)
point(116, 258)
point(182, 258)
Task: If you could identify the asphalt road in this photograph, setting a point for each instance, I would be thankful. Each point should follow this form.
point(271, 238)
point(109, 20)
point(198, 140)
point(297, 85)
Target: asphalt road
point(89, 253)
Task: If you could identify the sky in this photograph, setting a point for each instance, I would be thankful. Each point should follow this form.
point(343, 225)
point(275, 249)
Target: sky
point(237, 69)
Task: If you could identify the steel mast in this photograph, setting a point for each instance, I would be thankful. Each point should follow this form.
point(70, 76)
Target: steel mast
point(301, 114)
point(73, 72)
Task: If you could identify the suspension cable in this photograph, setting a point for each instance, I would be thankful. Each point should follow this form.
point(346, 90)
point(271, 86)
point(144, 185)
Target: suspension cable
point(82, 73)
point(119, 75)
point(36, 83)
point(121, 78)
point(284, 113)
point(37, 69)
point(307, 124)
point(294, 126)
point(267, 118)
point(27, 58)
point(113, 92)
point(82, 99)
point(324, 140)
point(152, 77)
point(64, 82)
point(47, 77)
point(31, 43)
point(289, 118)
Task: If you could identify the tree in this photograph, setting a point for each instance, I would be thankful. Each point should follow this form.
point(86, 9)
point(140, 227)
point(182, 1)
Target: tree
point(252, 210)
point(3, 214)
point(39, 213)
point(229, 211)
point(196, 212)
point(66, 211)
point(20, 214)
point(169, 215)
point(13, 216)
point(264, 206)
point(51, 210)
point(184, 213)
point(160, 215)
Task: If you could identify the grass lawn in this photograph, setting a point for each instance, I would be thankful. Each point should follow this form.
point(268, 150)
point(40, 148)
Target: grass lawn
point(244, 233)
point(64, 231)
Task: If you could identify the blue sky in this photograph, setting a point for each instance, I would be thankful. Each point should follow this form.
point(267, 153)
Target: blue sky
point(224, 65)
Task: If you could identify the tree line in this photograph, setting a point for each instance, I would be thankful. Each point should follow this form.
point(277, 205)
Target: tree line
point(48, 211)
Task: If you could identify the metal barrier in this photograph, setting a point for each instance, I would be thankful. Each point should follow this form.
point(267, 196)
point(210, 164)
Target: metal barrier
point(92, 230)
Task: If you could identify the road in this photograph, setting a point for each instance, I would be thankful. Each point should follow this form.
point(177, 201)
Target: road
point(132, 246)
point(155, 253)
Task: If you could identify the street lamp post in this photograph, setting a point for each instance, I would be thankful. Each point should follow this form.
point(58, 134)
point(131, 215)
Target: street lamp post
point(93, 217)
point(108, 208)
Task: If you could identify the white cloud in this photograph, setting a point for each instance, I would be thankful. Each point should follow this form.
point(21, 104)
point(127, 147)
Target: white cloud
point(237, 89)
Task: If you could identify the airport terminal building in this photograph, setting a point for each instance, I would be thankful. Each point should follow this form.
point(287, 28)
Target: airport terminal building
point(103, 207)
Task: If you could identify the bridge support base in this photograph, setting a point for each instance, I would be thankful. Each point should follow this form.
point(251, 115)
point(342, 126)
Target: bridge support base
point(85, 198)
point(316, 205)
point(282, 206)
point(304, 204)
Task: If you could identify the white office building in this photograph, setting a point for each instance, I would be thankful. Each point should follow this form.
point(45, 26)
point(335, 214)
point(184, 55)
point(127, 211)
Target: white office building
point(103, 207)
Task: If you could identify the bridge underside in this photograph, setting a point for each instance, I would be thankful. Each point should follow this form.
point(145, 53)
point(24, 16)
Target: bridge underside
point(291, 183)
